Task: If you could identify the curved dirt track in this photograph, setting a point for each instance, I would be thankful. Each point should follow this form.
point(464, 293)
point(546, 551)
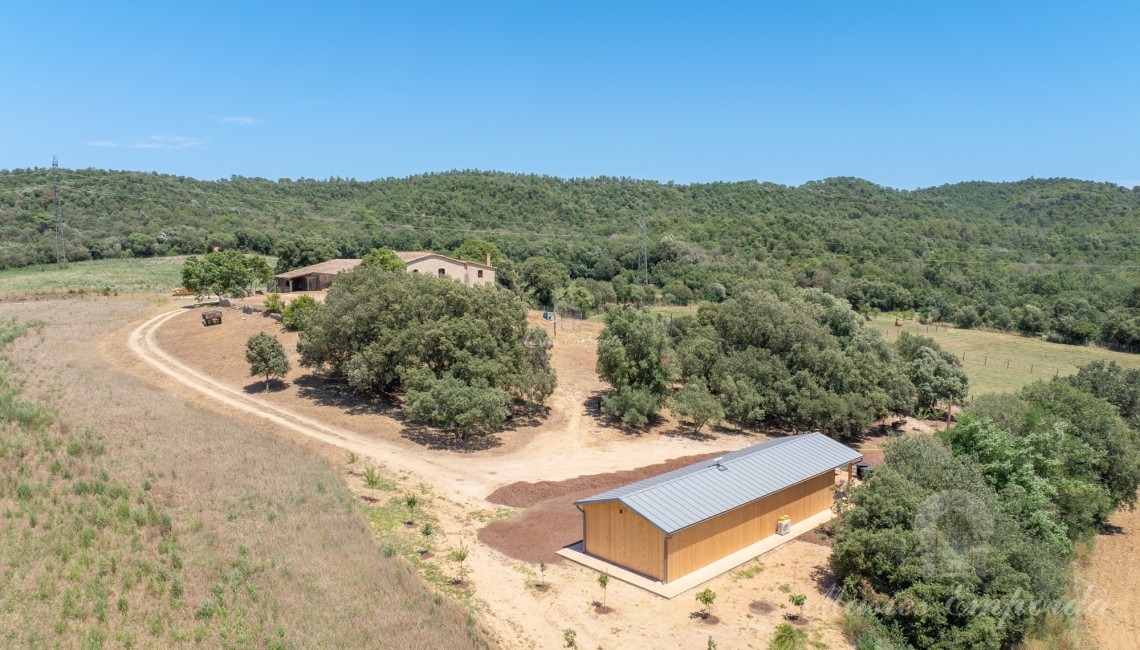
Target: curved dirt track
point(566, 451)
point(141, 342)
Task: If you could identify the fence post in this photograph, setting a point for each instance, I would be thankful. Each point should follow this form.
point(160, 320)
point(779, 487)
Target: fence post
point(1007, 364)
point(1031, 368)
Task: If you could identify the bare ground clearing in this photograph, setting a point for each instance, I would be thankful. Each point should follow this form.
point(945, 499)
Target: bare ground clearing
point(1110, 577)
point(549, 520)
point(572, 442)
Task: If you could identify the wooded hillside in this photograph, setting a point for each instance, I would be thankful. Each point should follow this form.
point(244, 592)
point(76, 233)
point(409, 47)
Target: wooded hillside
point(1044, 256)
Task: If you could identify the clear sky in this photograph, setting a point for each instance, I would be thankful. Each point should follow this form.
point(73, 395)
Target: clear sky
point(906, 94)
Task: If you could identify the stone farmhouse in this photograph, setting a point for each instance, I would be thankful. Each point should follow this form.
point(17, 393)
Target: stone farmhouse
point(319, 277)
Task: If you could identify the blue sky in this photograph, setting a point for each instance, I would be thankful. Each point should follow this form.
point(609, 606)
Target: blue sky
point(906, 94)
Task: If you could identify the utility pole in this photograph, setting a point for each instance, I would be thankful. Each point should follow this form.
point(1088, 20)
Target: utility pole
point(642, 253)
point(60, 241)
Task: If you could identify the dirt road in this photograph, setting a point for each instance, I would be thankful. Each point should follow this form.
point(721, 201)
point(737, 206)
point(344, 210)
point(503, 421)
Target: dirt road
point(571, 442)
point(471, 475)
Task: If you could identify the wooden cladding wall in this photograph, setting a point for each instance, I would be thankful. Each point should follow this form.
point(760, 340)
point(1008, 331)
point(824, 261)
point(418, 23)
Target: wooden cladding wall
point(706, 542)
point(619, 535)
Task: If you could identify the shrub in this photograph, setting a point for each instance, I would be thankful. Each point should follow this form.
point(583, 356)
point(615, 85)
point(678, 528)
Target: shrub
point(298, 312)
point(273, 303)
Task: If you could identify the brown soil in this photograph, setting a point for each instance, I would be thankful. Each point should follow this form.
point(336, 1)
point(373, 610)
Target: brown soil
point(710, 619)
point(1112, 611)
point(550, 520)
point(603, 609)
point(525, 494)
point(761, 607)
point(814, 536)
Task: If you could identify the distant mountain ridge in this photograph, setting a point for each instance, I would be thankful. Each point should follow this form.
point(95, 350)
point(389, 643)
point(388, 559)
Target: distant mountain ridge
point(979, 244)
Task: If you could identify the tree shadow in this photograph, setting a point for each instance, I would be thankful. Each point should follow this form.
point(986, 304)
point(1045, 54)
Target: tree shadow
point(1111, 529)
point(335, 392)
point(440, 440)
point(825, 581)
point(528, 416)
point(259, 386)
point(688, 433)
point(721, 429)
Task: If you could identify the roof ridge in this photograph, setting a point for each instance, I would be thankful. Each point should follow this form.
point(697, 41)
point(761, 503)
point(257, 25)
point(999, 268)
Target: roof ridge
point(715, 462)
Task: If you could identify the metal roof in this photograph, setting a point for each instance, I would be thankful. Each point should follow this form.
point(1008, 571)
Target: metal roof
point(690, 495)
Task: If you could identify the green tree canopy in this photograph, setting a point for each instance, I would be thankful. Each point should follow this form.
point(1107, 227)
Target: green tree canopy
point(224, 273)
point(1114, 384)
point(295, 252)
point(383, 259)
point(266, 357)
point(696, 404)
point(459, 354)
point(578, 298)
point(476, 250)
point(297, 313)
point(935, 373)
point(543, 278)
point(633, 359)
point(799, 359)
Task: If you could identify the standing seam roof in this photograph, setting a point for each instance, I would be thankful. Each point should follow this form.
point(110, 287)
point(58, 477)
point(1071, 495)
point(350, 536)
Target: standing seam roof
point(690, 495)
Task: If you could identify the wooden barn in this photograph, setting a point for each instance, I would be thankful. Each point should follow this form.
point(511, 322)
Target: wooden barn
point(671, 525)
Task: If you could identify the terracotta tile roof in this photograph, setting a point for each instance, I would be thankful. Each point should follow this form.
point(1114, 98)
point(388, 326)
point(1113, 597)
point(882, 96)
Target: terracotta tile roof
point(408, 256)
point(411, 256)
point(331, 267)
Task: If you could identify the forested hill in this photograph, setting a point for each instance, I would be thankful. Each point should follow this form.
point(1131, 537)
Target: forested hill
point(1053, 255)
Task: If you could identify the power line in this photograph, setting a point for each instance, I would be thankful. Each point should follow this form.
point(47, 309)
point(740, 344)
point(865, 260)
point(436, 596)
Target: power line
point(60, 242)
point(541, 235)
point(302, 206)
point(642, 253)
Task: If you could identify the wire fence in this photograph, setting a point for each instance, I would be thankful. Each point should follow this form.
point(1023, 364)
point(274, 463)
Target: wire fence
point(996, 361)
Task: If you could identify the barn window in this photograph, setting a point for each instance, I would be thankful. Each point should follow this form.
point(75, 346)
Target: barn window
point(480, 273)
point(442, 272)
point(621, 511)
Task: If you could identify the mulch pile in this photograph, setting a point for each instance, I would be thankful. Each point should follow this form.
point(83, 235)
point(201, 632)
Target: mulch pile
point(814, 536)
point(549, 520)
point(760, 607)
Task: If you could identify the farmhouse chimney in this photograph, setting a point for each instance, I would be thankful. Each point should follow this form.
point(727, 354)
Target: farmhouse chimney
point(488, 259)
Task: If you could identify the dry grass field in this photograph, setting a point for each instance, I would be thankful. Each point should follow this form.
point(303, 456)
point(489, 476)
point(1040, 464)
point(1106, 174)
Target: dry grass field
point(94, 277)
point(140, 519)
point(998, 362)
